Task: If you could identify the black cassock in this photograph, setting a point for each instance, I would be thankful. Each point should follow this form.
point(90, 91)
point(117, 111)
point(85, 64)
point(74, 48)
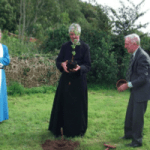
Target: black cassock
point(70, 103)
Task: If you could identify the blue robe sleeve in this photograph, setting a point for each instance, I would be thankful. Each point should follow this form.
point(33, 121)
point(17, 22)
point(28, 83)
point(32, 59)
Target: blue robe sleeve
point(59, 59)
point(86, 66)
point(5, 60)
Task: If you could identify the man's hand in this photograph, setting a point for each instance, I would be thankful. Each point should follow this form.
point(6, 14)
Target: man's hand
point(75, 69)
point(64, 65)
point(123, 87)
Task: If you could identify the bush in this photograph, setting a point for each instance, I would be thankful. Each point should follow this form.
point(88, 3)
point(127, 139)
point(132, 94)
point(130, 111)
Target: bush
point(17, 47)
point(121, 55)
point(15, 88)
point(42, 89)
point(55, 39)
point(104, 64)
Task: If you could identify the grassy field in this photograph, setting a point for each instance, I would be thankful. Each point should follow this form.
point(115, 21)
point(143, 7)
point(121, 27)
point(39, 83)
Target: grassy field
point(27, 127)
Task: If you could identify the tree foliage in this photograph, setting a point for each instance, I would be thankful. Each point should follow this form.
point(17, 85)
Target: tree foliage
point(104, 63)
point(34, 15)
point(124, 20)
point(8, 16)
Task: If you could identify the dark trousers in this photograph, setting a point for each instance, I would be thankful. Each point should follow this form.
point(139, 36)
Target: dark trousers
point(134, 120)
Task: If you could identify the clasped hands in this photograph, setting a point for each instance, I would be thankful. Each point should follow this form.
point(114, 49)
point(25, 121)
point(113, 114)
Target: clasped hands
point(64, 65)
point(123, 87)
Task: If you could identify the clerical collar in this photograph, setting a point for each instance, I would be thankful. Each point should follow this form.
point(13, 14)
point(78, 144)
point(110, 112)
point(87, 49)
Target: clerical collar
point(135, 52)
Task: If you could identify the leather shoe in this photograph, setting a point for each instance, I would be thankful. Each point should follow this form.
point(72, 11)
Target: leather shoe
point(126, 138)
point(134, 144)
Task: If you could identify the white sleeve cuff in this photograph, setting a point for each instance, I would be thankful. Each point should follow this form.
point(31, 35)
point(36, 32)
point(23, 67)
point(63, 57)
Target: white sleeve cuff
point(130, 85)
point(1, 65)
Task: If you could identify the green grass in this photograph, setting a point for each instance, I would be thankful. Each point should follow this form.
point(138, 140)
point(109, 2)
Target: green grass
point(27, 127)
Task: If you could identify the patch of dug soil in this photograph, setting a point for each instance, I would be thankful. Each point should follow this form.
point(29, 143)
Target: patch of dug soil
point(60, 145)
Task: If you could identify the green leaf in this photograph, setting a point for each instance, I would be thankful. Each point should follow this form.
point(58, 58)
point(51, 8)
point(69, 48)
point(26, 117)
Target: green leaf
point(73, 53)
point(73, 46)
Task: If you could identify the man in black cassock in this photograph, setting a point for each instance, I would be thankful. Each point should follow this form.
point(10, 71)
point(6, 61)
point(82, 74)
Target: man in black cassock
point(70, 106)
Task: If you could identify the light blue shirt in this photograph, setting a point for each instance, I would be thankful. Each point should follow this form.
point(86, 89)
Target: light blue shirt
point(129, 83)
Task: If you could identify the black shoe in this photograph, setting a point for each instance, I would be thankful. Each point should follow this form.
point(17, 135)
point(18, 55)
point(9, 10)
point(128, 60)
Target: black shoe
point(126, 138)
point(133, 144)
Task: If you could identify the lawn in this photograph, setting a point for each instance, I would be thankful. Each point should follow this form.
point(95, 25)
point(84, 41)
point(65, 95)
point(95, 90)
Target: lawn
point(27, 127)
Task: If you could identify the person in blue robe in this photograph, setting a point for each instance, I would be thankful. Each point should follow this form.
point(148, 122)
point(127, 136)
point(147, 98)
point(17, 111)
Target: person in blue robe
point(4, 61)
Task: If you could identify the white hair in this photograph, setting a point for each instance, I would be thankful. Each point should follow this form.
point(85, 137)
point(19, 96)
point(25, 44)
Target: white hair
point(134, 38)
point(76, 27)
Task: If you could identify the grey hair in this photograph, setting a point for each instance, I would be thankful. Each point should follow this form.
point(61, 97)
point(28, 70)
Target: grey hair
point(73, 26)
point(134, 38)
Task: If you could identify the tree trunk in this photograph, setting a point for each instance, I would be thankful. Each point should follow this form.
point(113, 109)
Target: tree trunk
point(20, 19)
point(24, 19)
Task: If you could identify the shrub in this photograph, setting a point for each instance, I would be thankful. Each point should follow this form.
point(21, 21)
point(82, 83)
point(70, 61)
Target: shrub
point(17, 47)
point(15, 88)
point(55, 39)
point(121, 55)
point(104, 64)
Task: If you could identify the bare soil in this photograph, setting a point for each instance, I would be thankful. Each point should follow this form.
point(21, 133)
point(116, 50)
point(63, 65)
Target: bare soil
point(60, 145)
